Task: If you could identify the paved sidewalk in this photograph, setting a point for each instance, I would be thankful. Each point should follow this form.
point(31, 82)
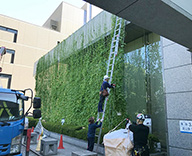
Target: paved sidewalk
point(70, 145)
point(74, 145)
point(63, 152)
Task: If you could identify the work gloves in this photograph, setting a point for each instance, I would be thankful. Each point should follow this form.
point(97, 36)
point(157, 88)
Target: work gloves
point(113, 85)
point(100, 120)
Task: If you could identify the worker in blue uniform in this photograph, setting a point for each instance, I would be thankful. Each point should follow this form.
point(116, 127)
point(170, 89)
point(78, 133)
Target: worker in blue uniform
point(91, 132)
point(104, 86)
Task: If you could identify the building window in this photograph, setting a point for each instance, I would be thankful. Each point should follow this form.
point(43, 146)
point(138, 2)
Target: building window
point(11, 31)
point(143, 82)
point(85, 17)
point(90, 12)
point(12, 54)
point(5, 80)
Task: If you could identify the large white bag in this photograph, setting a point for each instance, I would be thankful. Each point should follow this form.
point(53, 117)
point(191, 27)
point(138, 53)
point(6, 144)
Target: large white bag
point(118, 143)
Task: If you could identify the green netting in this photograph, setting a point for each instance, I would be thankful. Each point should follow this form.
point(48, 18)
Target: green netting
point(69, 77)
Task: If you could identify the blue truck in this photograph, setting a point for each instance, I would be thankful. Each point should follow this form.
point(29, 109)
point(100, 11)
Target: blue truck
point(12, 118)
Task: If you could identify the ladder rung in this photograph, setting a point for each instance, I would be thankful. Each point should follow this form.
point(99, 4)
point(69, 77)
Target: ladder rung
point(110, 60)
point(118, 24)
point(117, 31)
point(113, 52)
point(115, 41)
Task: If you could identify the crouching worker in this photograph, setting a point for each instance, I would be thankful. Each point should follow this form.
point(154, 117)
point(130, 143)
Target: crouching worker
point(140, 136)
point(91, 132)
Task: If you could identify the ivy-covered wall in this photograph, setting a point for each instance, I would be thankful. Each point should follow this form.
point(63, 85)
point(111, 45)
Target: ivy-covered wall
point(69, 78)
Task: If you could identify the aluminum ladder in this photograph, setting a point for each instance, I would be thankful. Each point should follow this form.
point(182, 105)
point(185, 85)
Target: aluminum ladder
point(110, 67)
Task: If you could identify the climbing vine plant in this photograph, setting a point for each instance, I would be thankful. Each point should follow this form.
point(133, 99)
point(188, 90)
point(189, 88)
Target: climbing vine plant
point(69, 86)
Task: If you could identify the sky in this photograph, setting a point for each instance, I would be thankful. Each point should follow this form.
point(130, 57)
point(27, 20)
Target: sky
point(33, 11)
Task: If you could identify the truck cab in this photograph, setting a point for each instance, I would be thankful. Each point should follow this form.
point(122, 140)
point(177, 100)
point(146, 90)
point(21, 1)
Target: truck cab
point(12, 121)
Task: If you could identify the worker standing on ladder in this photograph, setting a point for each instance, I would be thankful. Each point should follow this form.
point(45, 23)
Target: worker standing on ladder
point(140, 136)
point(103, 92)
point(91, 132)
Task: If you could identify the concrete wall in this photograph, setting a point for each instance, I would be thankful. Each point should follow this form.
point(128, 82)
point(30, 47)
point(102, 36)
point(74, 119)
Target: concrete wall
point(56, 16)
point(178, 91)
point(92, 11)
point(184, 4)
point(84, 36)
point(68, 19)
point(72, 19)
point(32, 43)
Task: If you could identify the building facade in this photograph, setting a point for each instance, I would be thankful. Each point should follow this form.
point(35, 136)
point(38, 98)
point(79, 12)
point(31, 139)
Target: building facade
point(26, 42)
point(172, 19)
point(177, 83)
point(157, 82)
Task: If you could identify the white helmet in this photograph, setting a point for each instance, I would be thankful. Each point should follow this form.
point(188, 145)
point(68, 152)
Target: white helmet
point(140, 116)
point(106, 77)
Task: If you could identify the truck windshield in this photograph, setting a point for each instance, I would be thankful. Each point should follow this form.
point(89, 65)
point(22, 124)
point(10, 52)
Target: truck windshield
point(11, 108)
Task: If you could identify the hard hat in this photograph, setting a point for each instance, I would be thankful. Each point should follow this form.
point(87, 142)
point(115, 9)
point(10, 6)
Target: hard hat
point(140, 116)
point(106, 77)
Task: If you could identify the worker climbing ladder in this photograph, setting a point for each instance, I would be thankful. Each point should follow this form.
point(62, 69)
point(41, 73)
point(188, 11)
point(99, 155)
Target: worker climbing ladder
point(110, 66)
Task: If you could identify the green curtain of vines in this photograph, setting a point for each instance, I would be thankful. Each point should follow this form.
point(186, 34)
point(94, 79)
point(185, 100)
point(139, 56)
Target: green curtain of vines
point(70, 88)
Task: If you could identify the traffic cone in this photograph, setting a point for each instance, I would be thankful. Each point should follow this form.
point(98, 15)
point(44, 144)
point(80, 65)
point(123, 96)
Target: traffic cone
point(32, 129)
point(39, 144)
point(61, 143)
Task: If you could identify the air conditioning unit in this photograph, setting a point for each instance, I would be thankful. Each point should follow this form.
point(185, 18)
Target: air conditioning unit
point(54, 24)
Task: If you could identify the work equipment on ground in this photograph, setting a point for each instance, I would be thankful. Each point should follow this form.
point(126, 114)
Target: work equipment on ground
point(118, 142)
point(110, 65)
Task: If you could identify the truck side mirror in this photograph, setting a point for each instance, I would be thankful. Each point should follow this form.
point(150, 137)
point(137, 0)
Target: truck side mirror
point(36, 114)
point(37, 102)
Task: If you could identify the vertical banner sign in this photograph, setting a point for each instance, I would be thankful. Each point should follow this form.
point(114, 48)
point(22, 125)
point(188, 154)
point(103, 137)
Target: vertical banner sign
point(185, 126)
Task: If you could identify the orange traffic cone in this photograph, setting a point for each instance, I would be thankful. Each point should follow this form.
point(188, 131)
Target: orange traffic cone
point(39, 144)
point(61, 143)
point(32, 129)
